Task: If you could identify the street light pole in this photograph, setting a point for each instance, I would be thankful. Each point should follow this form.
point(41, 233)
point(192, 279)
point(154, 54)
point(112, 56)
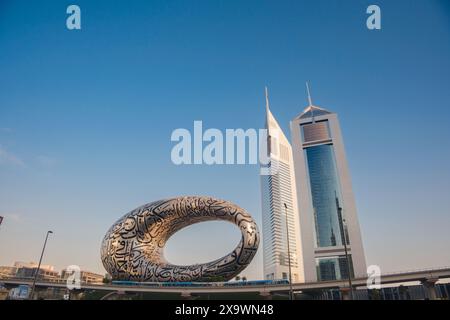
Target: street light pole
point(347, 258)
point(291, 293)
point(39, 265)
point(344, 240)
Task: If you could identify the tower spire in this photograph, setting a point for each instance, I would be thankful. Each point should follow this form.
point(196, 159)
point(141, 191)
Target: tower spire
point(309, 94)
point(267, 98)
point(310, 102)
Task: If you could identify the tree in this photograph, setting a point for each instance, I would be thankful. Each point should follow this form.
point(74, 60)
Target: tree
point(237, 278)
point(375, 294)
point(403, 292)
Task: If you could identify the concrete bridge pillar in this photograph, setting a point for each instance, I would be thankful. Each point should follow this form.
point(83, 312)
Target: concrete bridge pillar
point(430, 288)
point(110, 296)
point(345, 293)
point(265, 295)
point(186, 295)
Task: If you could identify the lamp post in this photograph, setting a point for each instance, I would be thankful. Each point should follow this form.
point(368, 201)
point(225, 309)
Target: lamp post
point(291, 294)
point(344, 241)
point(39, 265)
point(347, 258)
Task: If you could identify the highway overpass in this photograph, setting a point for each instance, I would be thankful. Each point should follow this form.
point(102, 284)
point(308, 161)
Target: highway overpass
point(427, 277)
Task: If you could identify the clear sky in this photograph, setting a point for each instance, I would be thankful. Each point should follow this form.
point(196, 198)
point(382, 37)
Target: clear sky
point(86, 117)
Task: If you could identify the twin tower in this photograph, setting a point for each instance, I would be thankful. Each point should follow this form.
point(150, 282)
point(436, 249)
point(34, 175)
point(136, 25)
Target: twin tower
point(309, 200)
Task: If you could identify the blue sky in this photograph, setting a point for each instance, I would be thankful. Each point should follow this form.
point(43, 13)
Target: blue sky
point(86, 116)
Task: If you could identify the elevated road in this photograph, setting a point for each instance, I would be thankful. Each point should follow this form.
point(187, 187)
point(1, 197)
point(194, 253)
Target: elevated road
point(427, 277)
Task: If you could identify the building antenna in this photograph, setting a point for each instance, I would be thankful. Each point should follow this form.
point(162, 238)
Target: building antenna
point(310, 102)
point(309, 94)
point(267, 99)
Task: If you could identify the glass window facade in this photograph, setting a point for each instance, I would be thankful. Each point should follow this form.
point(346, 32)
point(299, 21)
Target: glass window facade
point(316, 112)
point(326, 195)
point(277, 190)
point(316, 131)
point(333, 268)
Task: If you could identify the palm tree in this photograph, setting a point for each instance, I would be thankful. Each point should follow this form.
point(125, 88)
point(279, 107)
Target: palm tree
point(403, 292)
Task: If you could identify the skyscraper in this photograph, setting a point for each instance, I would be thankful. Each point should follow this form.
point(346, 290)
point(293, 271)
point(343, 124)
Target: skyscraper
point(326, 204)
point(279, 221)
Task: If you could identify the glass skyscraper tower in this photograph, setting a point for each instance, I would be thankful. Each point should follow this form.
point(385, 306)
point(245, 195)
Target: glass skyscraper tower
point(326, 206)
point(279, 207)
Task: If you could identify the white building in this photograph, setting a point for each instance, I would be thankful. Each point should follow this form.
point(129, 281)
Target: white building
point(29, 269)
point(326, 204)
point(33, 265)
point(84, 276)
point(278, 189)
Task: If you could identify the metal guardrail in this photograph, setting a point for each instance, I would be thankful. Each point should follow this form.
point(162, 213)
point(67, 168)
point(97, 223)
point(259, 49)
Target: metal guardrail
point(218, 286)
point(416, 270)
point(57, 281)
